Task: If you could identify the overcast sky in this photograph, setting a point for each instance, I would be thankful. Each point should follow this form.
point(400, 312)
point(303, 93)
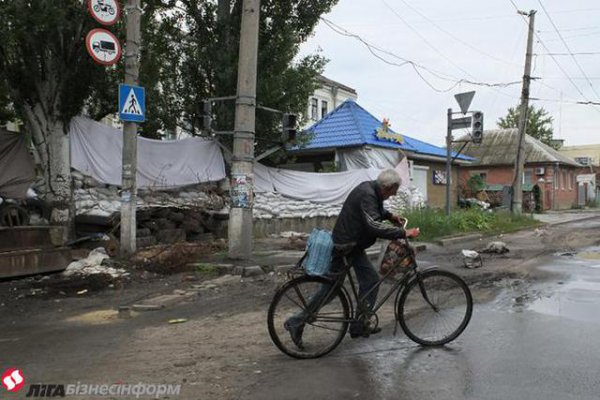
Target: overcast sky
point(477, 40)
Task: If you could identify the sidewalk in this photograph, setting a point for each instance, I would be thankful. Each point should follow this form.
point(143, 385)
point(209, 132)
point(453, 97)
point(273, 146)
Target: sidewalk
point(561, 217)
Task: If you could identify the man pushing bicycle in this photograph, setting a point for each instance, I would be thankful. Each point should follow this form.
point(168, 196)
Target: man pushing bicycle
point(359, 225)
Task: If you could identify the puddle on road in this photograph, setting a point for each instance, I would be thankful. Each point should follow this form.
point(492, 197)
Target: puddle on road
point(578, 299)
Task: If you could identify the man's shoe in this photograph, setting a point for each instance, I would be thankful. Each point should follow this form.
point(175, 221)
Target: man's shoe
point(365, 333)
point(295, 334)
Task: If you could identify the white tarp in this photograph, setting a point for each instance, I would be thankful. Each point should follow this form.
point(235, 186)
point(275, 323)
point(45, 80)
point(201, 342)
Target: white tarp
point(360, 158)
point(331, 188)
point(96, 150)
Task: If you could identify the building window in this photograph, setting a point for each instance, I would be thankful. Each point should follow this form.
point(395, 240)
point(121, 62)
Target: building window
point(324, 110)
point(527, 177)
point(571, 176)
point(314, 109)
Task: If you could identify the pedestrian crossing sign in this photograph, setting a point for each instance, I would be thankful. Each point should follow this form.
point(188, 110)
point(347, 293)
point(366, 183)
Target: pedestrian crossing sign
point(132, 103)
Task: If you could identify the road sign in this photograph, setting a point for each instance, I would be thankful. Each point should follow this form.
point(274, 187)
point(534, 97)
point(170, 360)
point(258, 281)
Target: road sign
point(103, 46)
point(132, 103)
point(458, 123)
point(107, 12)
point(464, 100)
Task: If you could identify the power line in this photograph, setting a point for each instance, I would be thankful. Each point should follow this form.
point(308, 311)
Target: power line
point(587, 103)
point(458, 39)
point(568, 49)
point(548, 51)
point(585, 28)
point(590, 53)
point(418, 68)
point(575, 36)
point(425, 40)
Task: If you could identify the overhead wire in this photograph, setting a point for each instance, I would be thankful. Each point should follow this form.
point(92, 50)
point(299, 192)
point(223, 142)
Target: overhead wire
point(418, 68)
point(445, 31)
point(568, 48)
point(540, 41)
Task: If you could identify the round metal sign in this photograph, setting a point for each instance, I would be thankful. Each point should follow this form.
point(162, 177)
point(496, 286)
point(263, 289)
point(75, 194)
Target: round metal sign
point(103, 46)
point(107, 12)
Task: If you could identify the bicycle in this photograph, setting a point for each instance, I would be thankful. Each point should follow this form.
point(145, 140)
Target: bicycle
point(432, 306)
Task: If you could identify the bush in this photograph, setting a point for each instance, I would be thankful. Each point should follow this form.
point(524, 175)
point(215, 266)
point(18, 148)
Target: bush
point(435, 223)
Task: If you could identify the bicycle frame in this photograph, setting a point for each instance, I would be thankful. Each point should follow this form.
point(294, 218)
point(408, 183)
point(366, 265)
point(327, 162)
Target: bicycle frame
point(338, 284)
point(398, 284)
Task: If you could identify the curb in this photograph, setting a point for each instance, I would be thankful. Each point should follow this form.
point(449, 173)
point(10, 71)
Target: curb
point(460, 239)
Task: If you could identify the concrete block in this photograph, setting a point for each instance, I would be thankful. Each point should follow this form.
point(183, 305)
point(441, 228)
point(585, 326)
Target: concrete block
point(253, 271)
point(461, 239)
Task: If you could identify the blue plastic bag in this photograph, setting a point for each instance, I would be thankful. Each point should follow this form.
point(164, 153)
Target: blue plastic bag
point(320, 250)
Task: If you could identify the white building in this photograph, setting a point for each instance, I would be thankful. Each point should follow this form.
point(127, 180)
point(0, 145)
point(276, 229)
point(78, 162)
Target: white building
point(326, 98)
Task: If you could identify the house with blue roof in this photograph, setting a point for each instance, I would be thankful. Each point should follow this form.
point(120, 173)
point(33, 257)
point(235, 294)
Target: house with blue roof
point(350, 137)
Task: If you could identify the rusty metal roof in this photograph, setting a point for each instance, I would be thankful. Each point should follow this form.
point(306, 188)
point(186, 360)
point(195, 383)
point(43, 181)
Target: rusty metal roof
point(499, 147)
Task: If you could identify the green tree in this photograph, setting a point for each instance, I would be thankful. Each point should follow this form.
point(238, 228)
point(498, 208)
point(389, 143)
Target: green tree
point(539, 123)
point(46, 76)
point(210, 56)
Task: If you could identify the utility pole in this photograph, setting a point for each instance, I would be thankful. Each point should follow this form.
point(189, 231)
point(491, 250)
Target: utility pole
point(242, 167)
point(517, 188)
point(129, 188)
point(448, 160)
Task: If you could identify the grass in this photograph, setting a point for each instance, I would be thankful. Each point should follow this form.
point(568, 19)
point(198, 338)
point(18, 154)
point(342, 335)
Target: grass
point(435, 224)
point(206, 270)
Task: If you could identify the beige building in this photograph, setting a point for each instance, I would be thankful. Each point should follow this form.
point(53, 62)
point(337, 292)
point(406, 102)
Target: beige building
point(587, 155)
point(326, 98)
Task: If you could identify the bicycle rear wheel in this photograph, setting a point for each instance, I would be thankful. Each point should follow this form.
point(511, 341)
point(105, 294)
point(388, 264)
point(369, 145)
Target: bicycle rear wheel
point(435, 308)
point(322, 330)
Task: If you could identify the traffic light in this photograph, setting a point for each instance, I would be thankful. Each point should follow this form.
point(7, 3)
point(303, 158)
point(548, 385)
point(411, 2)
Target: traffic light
point(206, 115)
point(289, 124)
point(477, 127)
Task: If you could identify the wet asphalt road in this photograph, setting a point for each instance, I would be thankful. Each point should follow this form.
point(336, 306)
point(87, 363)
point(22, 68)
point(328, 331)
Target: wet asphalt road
point(534, 342)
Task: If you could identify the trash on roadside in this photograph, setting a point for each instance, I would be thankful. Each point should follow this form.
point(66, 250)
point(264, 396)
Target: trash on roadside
point(177, 321)
point(472, 259)
point(540, 232)
point(496, 247)
point(567, 254)
point(92, 264)
point(84, 291)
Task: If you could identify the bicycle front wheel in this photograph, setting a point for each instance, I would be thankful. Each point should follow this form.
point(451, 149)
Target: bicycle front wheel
point(435, 308)
point(306, 319)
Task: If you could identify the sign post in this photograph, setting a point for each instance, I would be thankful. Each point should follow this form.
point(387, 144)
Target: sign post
point(132, 104)
point(464, 101)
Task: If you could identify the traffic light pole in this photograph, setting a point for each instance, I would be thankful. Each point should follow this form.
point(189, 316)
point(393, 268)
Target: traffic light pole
point(240, 233)
point(517, 188)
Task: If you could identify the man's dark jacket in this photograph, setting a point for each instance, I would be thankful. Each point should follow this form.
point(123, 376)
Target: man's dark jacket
point(362, 216)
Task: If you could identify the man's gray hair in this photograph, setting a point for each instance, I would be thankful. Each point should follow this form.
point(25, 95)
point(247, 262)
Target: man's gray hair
point(389, 178)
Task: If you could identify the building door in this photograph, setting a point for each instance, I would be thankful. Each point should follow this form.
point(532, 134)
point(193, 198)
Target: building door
point(581, 195)
point(419, 179)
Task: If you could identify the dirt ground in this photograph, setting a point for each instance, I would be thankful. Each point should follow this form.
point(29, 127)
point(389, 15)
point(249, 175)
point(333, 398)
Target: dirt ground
point(222, 344)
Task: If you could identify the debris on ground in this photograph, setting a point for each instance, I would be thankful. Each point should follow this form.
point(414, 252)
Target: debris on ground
point(496, 247)
point(291, 234)
point(92, 265)
point(541, 232)
point(177, 321)
point(472, 259)
point(176, 258)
